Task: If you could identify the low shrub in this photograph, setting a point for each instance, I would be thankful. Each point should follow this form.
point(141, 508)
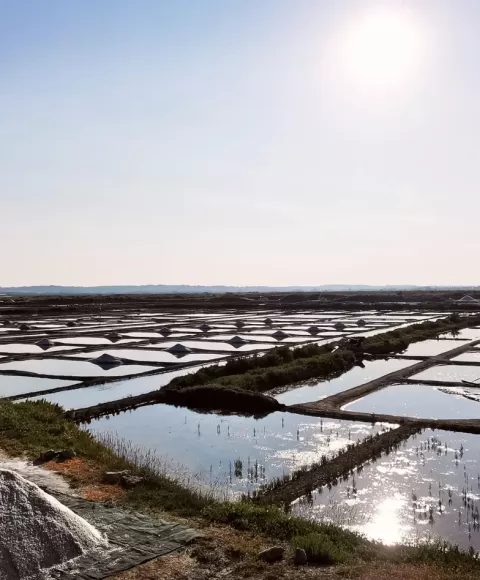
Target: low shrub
point(321, 550)
point(220, 397)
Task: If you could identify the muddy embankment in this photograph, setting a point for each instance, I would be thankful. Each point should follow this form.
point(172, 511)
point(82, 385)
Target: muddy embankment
point(202, 398)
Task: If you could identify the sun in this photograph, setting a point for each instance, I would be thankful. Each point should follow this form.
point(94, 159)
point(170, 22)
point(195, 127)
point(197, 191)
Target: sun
point(382, 48)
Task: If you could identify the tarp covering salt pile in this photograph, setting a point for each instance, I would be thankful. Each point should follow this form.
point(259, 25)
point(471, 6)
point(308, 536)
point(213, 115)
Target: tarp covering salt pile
point(37, 532)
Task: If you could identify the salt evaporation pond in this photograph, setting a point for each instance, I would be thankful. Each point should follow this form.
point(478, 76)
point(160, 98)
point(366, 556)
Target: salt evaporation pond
point(452, 373)
point(429, 487)
point(466, 334)
point(59, 367)
point(473, 356)
point(315, 390)
point(248, 337)
point(17, 385)
point(84, 340)
point(431, 347)
point(239, 451)
point(153, 355)
point(96, 394)
point(421, 401)
point(210, 345)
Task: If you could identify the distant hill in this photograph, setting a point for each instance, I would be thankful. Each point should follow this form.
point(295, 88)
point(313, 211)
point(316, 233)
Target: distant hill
point(186, 289)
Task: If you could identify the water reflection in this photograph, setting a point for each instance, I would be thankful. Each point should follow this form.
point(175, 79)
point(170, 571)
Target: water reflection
point(430, 487)
point(210, 444)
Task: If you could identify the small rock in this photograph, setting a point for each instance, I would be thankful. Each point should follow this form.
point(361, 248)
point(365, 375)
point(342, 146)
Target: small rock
point(115, 477)
point(65, 454)
point(129, 481)
point(271, 555)
point(47, 456)
point(300, 557)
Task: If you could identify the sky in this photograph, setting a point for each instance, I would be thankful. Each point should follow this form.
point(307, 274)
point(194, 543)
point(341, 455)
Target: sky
point(243, 142)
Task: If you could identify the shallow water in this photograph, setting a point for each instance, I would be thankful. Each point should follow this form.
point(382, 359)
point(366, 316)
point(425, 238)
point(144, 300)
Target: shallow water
point(142, 334)
point(431, 347)
point(247, 337)
point(96, 394)
point(21, 348)
point(84, 340)
point(14, 385)
point(473, 356)
point(211, 345)
point(392, 498)
point(210, 444)
point(466, 333)
point(71, 368)
point(316, 390)
point(453, 373)
point(421, 401)
point(152, 355)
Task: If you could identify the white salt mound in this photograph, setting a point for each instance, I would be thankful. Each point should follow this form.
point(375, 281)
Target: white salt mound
point(37, 532)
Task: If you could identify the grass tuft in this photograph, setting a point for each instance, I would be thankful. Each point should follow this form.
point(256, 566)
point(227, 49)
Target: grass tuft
point(320, 549)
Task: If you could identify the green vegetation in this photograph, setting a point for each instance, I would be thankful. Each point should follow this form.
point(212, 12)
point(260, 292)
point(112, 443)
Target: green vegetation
point(247, 364)
point(32, 427)
point(274, 523)
point(219, 397)
point(260, 380)
point(320, 549)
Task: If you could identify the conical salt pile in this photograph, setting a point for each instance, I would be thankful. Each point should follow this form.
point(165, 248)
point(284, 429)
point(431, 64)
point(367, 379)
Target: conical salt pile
point(37, 532)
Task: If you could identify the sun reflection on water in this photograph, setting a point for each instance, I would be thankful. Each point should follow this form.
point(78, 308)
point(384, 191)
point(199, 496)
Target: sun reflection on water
point(386, 524)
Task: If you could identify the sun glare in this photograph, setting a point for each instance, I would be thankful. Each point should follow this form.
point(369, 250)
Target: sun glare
point(382, 48)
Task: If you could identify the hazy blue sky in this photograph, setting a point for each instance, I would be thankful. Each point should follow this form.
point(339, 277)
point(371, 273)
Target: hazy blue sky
point(239, 141)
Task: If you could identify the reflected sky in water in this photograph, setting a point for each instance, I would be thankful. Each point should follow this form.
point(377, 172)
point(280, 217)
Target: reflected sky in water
point(429, 487)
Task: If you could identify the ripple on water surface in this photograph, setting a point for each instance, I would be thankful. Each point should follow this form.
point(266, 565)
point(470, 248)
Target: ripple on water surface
point(429, 486)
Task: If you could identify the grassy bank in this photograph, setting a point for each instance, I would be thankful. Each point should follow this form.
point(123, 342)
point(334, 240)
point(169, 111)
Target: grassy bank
point(31, 428)
point(251, 364)
point(260, 380)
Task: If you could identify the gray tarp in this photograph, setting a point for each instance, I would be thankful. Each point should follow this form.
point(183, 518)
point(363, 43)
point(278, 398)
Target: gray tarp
point(133, 537)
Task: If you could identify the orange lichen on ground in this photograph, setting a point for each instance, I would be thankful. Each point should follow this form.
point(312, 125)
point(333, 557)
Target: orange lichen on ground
point(87, 476)
point(172, 567)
